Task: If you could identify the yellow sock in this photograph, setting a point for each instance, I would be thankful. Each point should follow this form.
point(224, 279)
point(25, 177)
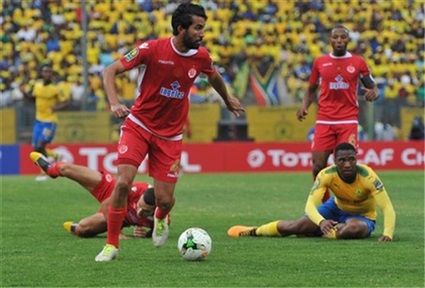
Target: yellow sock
point(51, 153)
point(332, 234)
point(269, 229)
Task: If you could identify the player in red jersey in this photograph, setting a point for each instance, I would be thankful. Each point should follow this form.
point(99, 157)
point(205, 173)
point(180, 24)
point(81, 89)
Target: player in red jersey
point(154, 124)
point(140, 203)
point(338, 74)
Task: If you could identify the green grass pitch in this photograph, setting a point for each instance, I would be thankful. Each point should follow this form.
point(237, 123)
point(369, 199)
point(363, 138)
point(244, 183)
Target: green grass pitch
point(37, 252)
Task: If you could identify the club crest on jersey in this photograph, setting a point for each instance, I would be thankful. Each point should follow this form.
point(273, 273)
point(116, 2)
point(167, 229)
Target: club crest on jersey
point(122, 148)
point(131, 55)
point(351, 69)
point(378, 184)
point(144, 46)
point(192, 72)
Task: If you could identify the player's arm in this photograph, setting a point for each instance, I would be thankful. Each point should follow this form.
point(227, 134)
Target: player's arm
point(307, 100)
point(384, 204)
point(232, 103)
point(119, 110)
point(60, 106)
point(371, 90)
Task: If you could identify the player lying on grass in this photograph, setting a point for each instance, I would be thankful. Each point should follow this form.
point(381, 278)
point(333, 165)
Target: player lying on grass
point(140, 205)
point(350, 214)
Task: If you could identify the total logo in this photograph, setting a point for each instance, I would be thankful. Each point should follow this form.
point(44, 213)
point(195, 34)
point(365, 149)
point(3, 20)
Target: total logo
point(258, 158)
point(99, 158)
point(278, 157)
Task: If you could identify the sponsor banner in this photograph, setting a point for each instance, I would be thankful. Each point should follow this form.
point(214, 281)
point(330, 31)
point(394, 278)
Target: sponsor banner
point(242, 156)
point(9, 159)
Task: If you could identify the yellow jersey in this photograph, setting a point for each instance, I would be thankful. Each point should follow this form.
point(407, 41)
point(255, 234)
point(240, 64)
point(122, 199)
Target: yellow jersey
point(354, 198)
point(359, 198)
point(46, 97)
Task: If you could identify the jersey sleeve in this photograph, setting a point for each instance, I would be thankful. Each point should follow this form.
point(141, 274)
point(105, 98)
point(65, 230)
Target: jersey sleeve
point(384, 203)
point(315, 198)
point(138, 55)
point(209, 67)
point(364, 69)
point(314, 76)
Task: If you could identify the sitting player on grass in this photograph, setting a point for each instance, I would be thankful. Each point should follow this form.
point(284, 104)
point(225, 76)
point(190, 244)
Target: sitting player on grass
point(350, 214)
point(140, 205)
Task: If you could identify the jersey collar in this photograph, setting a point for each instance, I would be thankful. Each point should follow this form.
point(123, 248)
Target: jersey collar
point(347, 55)
point(189, 53)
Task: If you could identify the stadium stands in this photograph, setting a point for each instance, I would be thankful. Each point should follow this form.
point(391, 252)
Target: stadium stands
point(284, 35)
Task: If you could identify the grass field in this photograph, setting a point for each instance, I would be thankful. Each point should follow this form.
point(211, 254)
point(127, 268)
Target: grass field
point(37, 252)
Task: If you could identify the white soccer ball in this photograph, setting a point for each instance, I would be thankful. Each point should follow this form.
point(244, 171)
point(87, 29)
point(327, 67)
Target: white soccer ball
point(194, 244)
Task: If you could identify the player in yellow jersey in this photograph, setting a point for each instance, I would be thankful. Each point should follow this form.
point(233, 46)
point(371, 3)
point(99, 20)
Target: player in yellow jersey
point(48, 100)
point(350, 214)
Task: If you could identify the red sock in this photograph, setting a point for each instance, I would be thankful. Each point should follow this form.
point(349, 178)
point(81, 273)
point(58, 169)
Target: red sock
point(54, 170)
point(115, 219)
point(161, 213)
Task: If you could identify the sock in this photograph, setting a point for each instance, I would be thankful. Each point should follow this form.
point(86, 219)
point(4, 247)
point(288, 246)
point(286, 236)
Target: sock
point(54, 170)
point(115, 219)
point(74, 228)
point(51, 153)
point(269, 229)
point(160, 213)
point(332, 234)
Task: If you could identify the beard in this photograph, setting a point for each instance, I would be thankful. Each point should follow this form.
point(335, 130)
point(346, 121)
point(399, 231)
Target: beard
point(189, 43)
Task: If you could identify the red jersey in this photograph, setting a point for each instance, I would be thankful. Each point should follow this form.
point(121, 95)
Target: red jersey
point(131, 217)
point(338, 78)
point(165, 78)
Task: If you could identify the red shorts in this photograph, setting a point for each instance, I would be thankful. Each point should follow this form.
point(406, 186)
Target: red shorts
point(164, 155)
point(327, 137)
point(104, 189)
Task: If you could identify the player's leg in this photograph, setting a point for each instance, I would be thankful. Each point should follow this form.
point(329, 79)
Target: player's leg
point(86, 177)
point(88, 227)
point(347, 133)
point(132, 149)
point(164, 195)
point(355, 228)
point(282, 228)
point(321, 148)
point(164, 165)
point(39, 145)
point(50, 130)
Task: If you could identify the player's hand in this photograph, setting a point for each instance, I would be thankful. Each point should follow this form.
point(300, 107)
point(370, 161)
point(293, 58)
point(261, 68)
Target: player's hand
point(301, 114)
point(141, 231)
point(235, 106)
point(119, 110)
point(326, 226)
point(385, 238)
point(123, 237)
point(371, 94)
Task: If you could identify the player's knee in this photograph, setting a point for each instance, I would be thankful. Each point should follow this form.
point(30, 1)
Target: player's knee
point(123, 186)
point(353, 230)
point(84, 231)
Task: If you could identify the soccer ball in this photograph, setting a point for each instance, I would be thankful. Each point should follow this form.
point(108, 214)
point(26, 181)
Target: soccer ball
point(194, 244)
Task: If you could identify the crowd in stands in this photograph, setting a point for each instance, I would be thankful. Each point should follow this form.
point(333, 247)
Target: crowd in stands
point(288, 34)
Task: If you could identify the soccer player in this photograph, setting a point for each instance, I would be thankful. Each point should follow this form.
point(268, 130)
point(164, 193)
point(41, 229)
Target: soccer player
point(154, 125)
point(337, 117)
point(48, 100)
point(140, 204)
point(350, 214)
